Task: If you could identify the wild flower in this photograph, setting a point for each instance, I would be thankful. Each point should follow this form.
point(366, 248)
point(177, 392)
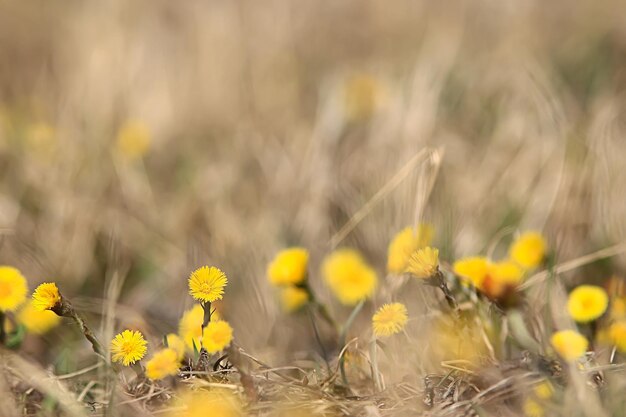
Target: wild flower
point(133, 139)
point(617, 335)
point(177, 344)
point(37, 321)
point(128, 347)
point(528, 250)
point(389, 319)
point(501, 277)
point(13, 288)
point(348, 276)
point(424, 263)
point(289, 267)
point(207, 284)
point(200, 403)
point(544, 390)
point(163, 363)
point(532, 408)
point(293, 298)
point(404, 243)
point(46, 296)
point(472, 270)
point(569, 344)
point(363, 96)
point(190, 325)
point(217, 336)
point(587, 303)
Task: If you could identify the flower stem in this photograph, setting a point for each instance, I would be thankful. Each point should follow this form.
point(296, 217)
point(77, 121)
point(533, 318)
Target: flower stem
point(342, 338)
point(443, 286)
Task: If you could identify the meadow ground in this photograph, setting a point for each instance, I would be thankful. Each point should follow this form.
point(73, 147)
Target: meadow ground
point(405, 208)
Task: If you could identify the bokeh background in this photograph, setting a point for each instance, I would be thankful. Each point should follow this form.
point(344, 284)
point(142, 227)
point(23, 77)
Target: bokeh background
point(140, 140)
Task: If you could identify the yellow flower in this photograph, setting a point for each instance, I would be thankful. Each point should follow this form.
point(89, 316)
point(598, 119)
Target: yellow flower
point(532, 408)
point(207, 284)
point(618, 308)
point(163, 363)
point(190, 325)
point(363, 96)
point(177, 344)
point(587, 303)
point(501, 277)
point(46, 296)
point(289, 267)
point(293, 298)
point(528, 250)
point(133, 139)
point(216, 402)
point(389, 319)
point(569, 344)
point(403, 244)
point(128, 347)
point(349, 277)
point(544, 390)
point(617, 335)
point(36, 321)
point(472, 270)
point(424, 263)
point(217, 336)
point(13, 288)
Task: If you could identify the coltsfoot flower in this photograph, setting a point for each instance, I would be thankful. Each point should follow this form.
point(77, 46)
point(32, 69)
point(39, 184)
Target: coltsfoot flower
point(289, 267)
point(472, 270)
point(128, 347)
point(13, 288)
point(424, 263)
point(569, 344)
point(216, 402)
point(501, 277)
point(617, 335)
point(46, 296)
point(389, 319)
point(177, 344)
point(163, 363)
point(190, 325)
point(528, 250)
point(404, 243)
point(37, 321)
point(217, 336)
point(207, 284)
point(587, 303)
point(533, 409)
point(348, 276)
point(293, 298)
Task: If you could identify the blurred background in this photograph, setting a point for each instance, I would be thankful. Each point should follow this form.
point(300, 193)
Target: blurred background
point(140, 140)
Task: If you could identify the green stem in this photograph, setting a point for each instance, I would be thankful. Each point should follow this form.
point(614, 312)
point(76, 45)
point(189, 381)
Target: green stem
point(317, 336)
point(95, 344)
point(342, 338)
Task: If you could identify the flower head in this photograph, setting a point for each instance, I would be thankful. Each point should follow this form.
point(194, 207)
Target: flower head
point(532, 408)
point(570, 344)
point(289, 267)
point(293, 298)
point(363, 96)
point(46, 296)
point(133, 139)
point(617, 335)
point(424, 263)
point(472, 270)
point(217, 336)
point(216, 402)
point(36, 321)
point(544, 390)
point(207, 284)
point(587, 303)
point(177, 344)
point(163, 363)
point(528, 250)
point(128, 347)
point(501, 277)
point(389, 319)
point(349, 277)
point(13, 288)
point(190, 325)
point(404, 243)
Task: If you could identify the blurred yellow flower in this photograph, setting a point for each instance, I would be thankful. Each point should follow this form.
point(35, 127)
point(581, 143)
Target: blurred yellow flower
point(133, 139)
point(618, 308)
point(472, 270)
point(349, 277)
point(570, 344)
point(532, 408)
point(501, 277)
point(217, 336)
point(13, 288)
point(177, 344)
point(587, 303)
point(216, 402)
point(404, 243)
point(190, 325)
point(389, 319)
point(289, 267)
point(37, 321)
point(207, 284)
point(40, 137)
point(46, 296)
point(424, 263)
point(457, 340)
point(293, 298)
point(363, 96)
point(163, 363)
point(617, 335)
point(544, 390)
point(128, 347)
point(528, 250)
